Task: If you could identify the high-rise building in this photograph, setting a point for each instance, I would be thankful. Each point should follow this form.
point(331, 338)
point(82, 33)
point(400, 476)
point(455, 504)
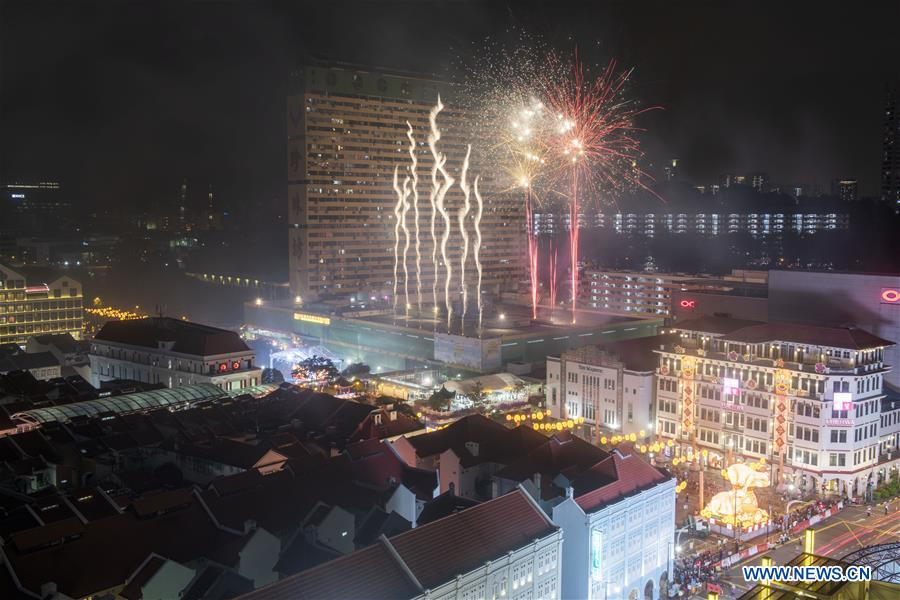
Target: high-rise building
point(347, 131)
point(35, 206)
point(30, 308)
point(845, 188)
point(890, 152)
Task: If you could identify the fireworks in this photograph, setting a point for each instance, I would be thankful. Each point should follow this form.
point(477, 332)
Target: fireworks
point(414, 169)
point(559, 133)
point(398, 207)
point(461, 216)
point(433, 137)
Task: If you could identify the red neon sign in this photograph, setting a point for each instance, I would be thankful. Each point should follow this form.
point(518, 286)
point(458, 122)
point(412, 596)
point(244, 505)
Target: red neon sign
point(688, 303)
point(890, 296)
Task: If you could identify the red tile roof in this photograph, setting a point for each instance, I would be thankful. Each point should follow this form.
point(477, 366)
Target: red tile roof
point(850, 338)
point(622, 474)
point(457, 544)
point(372, 572)
point(434, 554)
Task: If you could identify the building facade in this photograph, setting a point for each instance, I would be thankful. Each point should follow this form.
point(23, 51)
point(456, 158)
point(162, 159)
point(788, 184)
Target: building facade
point(619, 538)
point(701, 223)
point(347, 131)
point(172, 352)
point(648, 294)
point(611, 387)
point(808, 399)
point(30, 308)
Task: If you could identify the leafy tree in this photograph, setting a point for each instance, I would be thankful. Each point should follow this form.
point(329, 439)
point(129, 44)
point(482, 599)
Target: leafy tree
point(272, 376)
point(356, 369)
point(315, 368)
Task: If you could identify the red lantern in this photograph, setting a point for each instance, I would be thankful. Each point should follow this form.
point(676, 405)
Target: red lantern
point(223, 367)
point(236, 365)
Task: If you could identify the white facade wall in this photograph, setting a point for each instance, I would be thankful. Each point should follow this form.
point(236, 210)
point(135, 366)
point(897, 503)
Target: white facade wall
point(621, 549)
point(532, 572)
point(618, 399)
point(119, 361)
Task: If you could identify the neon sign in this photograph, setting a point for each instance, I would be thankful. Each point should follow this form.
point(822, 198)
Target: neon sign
point(890, 296)
point(729, 385)
point(596, 548)
point(843, 400)
point(691, 304)
point(839, 422)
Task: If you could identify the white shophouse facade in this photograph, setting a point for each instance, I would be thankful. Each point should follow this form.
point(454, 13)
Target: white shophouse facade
point(808, 399)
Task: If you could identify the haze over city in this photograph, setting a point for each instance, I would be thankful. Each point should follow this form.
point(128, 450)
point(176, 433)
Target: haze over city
point(449, 299)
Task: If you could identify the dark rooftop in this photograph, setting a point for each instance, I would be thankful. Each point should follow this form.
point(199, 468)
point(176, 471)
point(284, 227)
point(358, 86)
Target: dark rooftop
point(189, 338)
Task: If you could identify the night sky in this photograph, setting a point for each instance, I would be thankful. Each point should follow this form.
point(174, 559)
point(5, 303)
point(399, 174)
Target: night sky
point(120, 100)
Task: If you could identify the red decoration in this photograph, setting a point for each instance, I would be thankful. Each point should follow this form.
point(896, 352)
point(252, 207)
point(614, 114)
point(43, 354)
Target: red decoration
point(236, 365)
point(223, 367)
point(688, 304)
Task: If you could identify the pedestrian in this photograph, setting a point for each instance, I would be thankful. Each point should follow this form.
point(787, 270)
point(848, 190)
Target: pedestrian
point(868, 511)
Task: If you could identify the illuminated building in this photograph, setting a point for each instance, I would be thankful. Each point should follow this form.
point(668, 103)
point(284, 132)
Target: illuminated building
point(172, 352)
point(619, 535)
point(646, 294)
point(846, 188)
point(36, 205)
point(808, 399)
point(671, 170)
point(611, 386)
point(651, 222)
point(346, 129)
point(30, 308)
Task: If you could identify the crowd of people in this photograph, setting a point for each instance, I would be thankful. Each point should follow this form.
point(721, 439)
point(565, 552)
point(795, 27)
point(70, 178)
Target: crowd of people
point(691, 572)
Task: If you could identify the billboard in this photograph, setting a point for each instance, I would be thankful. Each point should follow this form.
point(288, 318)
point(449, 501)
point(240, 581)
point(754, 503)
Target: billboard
point(473, 353)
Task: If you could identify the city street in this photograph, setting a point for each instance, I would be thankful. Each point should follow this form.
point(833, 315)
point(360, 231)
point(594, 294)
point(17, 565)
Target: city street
point(841, 534)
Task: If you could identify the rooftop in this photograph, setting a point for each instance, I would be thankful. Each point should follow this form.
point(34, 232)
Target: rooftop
point(188, 338)
point(622, 474)
point(422, 558)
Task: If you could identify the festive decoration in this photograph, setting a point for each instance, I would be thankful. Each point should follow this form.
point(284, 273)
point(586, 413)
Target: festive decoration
point(739, 506)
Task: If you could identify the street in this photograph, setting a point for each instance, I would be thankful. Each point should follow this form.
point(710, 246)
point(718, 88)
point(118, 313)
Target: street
point(837, 536)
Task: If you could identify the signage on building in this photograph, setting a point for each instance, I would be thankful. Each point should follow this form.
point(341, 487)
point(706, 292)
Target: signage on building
point(839, 422)
point(689, 304)
point(596, 549)
point(890, 296)
point(310, 318)
point(843, 400)
point(733, 407)
point(729, 385)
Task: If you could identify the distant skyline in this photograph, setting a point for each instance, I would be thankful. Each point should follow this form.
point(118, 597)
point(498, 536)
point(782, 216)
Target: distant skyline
point(123, 100)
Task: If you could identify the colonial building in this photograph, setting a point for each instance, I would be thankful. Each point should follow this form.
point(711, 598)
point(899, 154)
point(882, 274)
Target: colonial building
point(172, 352)
point(618, 521)
point(611, 386)
point(808, 398)
point(30, 307)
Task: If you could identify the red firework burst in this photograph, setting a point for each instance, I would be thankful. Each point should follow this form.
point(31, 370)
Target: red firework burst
point(596, 150)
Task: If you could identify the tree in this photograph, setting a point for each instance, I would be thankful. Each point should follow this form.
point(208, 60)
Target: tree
point(440, 400)
point(315, 368)
point(356, 369)
point(272, 376)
